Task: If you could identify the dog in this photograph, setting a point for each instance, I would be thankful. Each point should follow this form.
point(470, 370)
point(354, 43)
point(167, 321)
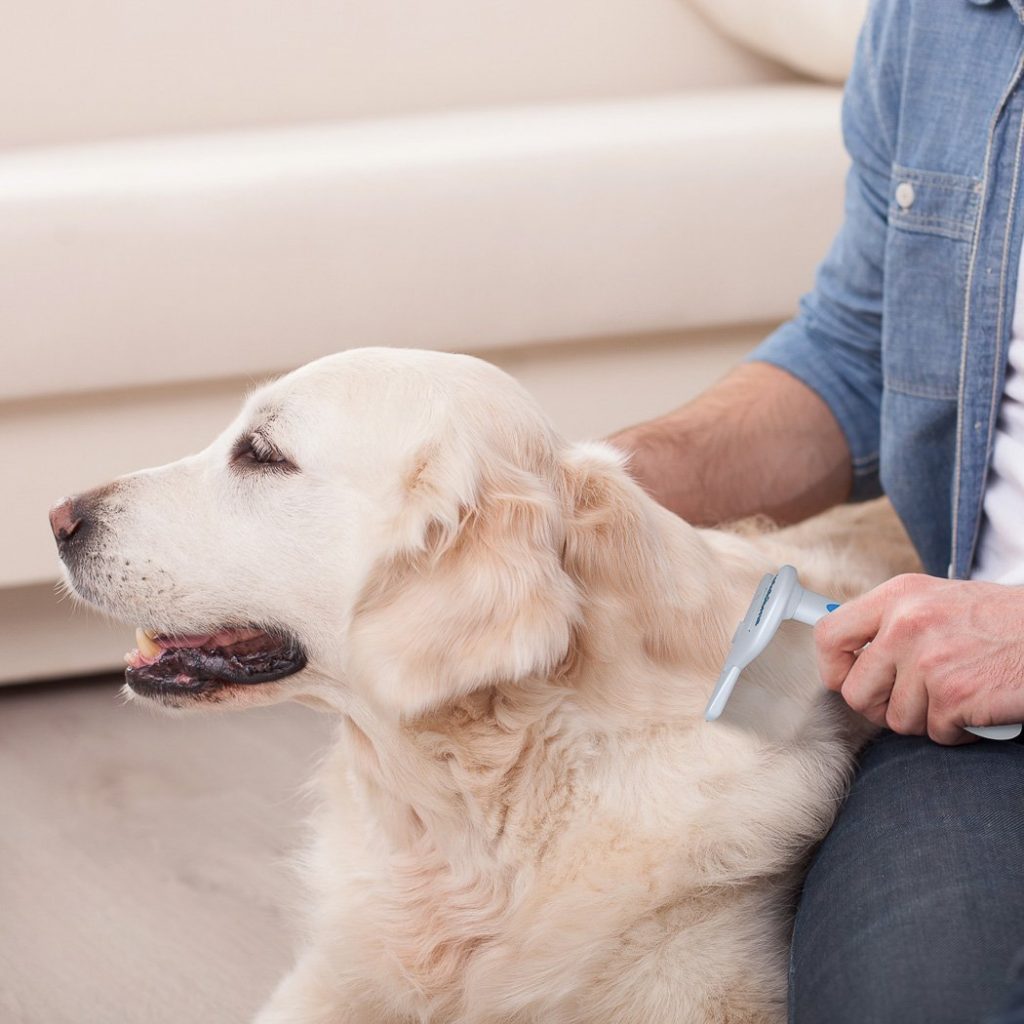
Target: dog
point(525, 818)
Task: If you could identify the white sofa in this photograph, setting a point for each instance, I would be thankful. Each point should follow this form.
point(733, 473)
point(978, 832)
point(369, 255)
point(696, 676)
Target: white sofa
point(606, 197)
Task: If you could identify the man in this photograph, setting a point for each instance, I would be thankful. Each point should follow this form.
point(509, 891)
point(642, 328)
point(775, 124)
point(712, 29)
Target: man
point(904, 373)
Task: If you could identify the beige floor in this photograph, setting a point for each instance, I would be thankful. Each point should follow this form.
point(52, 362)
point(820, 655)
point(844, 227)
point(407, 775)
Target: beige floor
point(142, 874)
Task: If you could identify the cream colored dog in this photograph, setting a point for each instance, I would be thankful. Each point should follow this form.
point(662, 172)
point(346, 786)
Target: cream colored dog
point(525, 818)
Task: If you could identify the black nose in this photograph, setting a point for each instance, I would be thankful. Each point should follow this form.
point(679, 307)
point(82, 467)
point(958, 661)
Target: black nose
point(68, 520)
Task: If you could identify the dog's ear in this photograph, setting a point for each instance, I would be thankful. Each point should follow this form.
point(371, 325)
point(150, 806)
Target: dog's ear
point(475, 593)
point(641, 571)
point(609, 539)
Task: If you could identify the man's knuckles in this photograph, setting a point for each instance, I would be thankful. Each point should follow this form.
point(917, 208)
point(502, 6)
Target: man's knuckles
point(900, 718)
point(858, 692)
point(933, 662)
point(948, 692)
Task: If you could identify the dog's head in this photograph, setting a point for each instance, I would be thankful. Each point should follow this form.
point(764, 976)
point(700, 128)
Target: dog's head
point(381, 525)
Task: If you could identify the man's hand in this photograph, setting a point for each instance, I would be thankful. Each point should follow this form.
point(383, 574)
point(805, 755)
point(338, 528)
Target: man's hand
point(943, 654)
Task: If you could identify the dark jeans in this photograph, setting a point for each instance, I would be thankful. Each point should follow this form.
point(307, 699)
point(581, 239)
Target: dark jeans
point(913, 909)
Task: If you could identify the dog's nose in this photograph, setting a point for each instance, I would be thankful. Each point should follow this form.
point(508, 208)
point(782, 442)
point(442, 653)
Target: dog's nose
point(67, 518)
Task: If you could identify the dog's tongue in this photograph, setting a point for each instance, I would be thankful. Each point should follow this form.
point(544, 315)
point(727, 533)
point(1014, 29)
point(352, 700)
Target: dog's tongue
point(151, 646)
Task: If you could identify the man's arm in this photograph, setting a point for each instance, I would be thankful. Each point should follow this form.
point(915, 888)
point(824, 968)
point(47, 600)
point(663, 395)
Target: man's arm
point(799, 429)
point(760, 441)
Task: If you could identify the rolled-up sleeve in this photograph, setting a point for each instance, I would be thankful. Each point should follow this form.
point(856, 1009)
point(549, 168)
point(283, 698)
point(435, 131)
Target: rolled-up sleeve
point(834, 344)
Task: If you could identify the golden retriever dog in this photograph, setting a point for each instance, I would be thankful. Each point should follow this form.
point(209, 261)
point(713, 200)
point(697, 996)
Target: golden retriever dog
point(525, 818)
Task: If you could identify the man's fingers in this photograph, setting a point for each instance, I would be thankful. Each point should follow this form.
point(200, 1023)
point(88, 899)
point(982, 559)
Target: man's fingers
point(834, 666)
point(943, 731)
point(845, 631)
point(946, 712)
point(868, 684)
point(907, 712)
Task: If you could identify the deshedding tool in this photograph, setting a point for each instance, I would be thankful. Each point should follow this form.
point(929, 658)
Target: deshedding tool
point(779, 597)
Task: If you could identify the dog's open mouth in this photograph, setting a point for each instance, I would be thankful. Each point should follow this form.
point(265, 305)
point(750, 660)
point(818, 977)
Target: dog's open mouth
point(164, 663)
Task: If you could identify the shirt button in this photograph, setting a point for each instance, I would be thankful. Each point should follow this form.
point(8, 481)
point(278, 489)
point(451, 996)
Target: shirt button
point(905, 195)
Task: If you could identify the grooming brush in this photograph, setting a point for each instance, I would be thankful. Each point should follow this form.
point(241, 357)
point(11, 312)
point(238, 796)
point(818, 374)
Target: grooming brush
point(780, 597)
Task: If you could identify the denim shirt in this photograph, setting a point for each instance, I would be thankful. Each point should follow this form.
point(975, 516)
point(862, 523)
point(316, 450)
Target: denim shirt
point(906, 332)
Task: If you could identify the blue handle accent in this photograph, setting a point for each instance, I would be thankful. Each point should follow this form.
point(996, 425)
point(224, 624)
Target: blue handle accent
point(831, 607)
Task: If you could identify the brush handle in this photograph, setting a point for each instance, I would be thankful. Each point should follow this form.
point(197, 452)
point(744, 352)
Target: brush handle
point(996, 732)
point(813, 607)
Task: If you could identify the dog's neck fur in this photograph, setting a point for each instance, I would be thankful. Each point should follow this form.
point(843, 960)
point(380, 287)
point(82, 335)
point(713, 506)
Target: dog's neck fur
point(648, 582)
point(487, 802)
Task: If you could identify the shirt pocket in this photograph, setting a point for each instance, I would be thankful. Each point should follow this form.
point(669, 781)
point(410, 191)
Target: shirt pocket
point(932, 219)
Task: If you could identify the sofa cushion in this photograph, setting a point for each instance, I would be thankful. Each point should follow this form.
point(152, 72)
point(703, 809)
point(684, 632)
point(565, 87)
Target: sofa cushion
point(80, 72)
point(814, 37)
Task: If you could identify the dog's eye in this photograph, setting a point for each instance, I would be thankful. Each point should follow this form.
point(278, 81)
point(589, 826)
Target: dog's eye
point(255, 450)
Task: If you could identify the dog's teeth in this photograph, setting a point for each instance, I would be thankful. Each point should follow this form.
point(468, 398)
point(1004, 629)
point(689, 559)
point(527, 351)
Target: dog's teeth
point(146, 644)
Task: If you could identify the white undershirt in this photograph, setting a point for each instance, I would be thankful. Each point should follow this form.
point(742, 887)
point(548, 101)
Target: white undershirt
point(1000, 555)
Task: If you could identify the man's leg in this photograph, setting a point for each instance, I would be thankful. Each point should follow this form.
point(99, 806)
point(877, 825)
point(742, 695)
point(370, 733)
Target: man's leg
point(1012, 1011)
point(913, 909)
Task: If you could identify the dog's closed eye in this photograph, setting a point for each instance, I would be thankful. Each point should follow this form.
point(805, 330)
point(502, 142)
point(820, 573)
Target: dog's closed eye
point(254, 451)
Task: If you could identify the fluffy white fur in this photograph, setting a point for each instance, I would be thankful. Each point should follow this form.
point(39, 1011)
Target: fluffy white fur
point(525, 818)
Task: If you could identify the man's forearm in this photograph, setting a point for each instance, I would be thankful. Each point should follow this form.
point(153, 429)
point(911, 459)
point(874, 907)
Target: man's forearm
point(759, 441)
